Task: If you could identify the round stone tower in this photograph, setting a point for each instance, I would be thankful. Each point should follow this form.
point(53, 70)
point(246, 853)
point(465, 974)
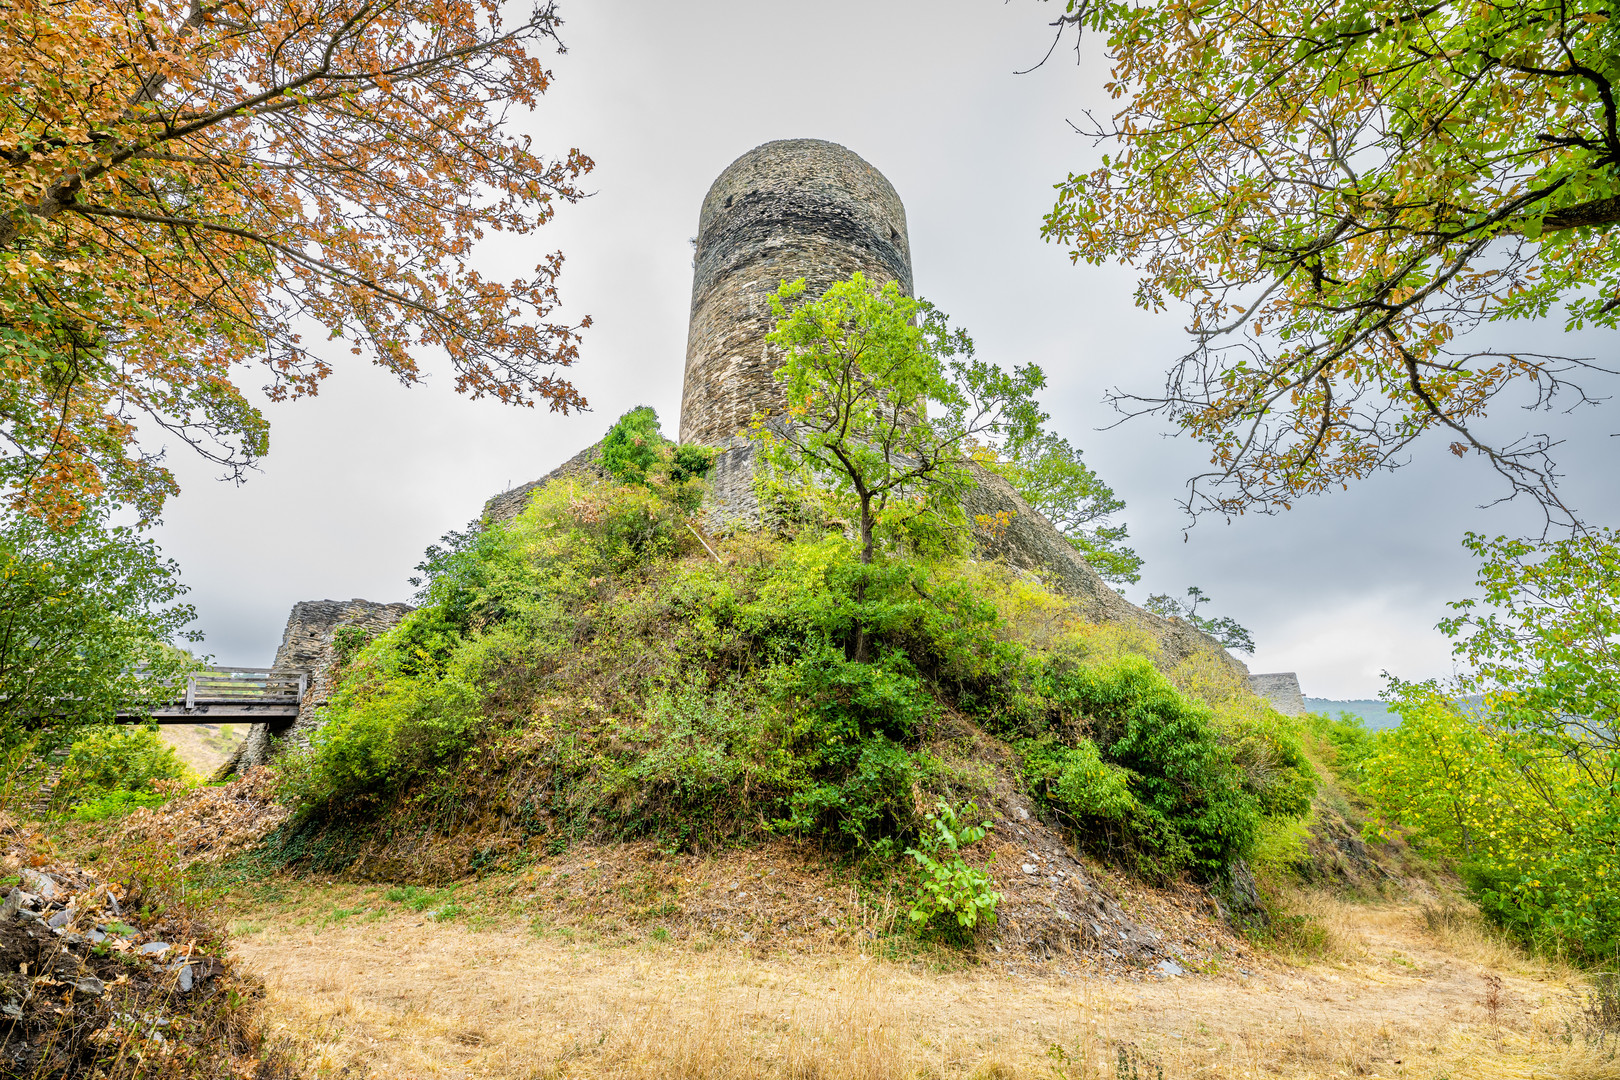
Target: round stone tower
point(789, 209)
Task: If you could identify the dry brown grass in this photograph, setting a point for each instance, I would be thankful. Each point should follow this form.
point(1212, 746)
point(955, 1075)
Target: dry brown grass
point(370, 988)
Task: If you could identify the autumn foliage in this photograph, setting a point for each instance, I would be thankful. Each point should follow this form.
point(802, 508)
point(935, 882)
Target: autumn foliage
point(190, 189)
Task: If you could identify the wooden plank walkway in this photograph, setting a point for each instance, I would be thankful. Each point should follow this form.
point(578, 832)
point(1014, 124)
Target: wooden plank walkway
point(233, 695)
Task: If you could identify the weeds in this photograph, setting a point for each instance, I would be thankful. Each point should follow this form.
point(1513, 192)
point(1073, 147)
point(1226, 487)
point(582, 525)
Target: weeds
point(1597, 1014)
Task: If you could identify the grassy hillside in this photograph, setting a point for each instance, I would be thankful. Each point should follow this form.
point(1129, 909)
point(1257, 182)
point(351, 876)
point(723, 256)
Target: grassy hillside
point(595, 670)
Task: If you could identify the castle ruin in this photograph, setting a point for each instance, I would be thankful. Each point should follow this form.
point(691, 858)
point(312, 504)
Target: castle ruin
point(794, 208)
point(785, 210)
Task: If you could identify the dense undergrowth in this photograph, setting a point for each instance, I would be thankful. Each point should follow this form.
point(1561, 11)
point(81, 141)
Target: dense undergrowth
point(1530, 837)
point(623, 677)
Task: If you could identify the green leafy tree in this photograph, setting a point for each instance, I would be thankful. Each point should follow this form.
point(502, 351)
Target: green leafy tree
point(1543, 641)
point(1051, 476)
point(86, 617)
point(886, 403)
point(1525, 792)
point(1535, 839)
point(1226, 630)
point(1338, 194)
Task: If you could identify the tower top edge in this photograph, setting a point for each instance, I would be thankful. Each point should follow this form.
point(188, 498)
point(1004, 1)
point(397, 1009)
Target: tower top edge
point(815, 155)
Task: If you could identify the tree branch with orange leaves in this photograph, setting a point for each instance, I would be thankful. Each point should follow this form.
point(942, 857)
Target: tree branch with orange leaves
point(187, 190)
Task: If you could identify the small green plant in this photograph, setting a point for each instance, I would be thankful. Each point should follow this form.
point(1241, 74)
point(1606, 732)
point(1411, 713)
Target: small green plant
point(117, 804)
point(419, 899)
point(347, 641)
point(949, 885)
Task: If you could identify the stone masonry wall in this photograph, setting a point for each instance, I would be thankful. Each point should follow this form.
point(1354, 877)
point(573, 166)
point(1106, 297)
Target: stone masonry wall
point(1281, 688)
point(307, 645)
point(785, 210)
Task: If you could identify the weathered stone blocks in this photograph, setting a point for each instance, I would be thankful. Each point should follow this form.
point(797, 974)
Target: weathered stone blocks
point(785, 210)
point(308, 644)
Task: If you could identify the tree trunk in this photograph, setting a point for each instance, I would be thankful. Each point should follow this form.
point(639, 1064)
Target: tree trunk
point(860, 586)
point(866, 529)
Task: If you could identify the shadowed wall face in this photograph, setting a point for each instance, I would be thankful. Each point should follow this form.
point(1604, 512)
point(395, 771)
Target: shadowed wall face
point(785, 210)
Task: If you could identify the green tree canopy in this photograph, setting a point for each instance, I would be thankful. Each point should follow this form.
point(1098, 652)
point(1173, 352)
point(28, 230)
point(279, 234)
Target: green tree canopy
point(1337, 193)
point(1523, 792)
point(87, 615)
point(1053, 478)
point(886, 403)
point(1224, 629)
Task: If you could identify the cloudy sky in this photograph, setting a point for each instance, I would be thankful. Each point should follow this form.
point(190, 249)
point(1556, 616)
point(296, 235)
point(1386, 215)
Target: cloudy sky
point(663, 97)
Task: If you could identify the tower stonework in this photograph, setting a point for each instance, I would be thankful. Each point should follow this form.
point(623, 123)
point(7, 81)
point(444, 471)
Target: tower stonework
point(785, 210)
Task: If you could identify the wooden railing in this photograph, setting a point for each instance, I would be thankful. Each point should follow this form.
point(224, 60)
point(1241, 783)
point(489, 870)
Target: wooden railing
point(234, 695)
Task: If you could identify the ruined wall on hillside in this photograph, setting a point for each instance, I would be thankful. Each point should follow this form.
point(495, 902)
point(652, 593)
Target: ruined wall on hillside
point(307, 645)
point(1281, 688)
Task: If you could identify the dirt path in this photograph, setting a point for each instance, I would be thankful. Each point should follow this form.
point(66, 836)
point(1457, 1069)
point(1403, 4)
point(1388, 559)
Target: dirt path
point(372, 988)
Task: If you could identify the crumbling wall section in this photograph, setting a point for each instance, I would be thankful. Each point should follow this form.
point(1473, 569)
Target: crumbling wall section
point(1281, 688)
point(509, 504)
point(308, 644)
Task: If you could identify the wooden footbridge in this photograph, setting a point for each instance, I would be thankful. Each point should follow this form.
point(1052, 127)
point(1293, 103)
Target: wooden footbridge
point(231, 695)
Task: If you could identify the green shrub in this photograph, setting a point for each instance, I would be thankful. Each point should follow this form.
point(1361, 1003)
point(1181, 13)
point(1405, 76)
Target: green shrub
point(868, 804)
point(1346, 736)
point(636, 452)
point(949, 885)
point(1189, 807)
point(113, 758)
point(405, 712)
point(632, 446)
point(113, 804)
point(1268, 750)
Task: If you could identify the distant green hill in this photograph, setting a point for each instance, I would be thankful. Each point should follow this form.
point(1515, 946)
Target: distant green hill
point(1375, 714)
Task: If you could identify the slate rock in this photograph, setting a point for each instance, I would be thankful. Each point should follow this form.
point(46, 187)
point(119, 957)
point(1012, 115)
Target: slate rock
point(43, 884)
point(61, 918)
point(90, 985)
point(154, 948)
point(1170, 968)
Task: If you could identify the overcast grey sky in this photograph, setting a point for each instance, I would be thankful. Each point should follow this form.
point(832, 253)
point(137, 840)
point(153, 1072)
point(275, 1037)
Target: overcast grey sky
point(664, 96)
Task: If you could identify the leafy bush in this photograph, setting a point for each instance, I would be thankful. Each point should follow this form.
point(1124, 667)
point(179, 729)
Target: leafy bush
point(632, 446)
point(866, 804)
point(636, 452)
point(107, 759)
point(949, 885)
point(1152, 775)
point(118, 803)
point(1346, 735)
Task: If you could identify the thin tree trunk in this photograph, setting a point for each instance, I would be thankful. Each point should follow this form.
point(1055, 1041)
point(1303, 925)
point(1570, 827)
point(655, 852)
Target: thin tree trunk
point(860, 586)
